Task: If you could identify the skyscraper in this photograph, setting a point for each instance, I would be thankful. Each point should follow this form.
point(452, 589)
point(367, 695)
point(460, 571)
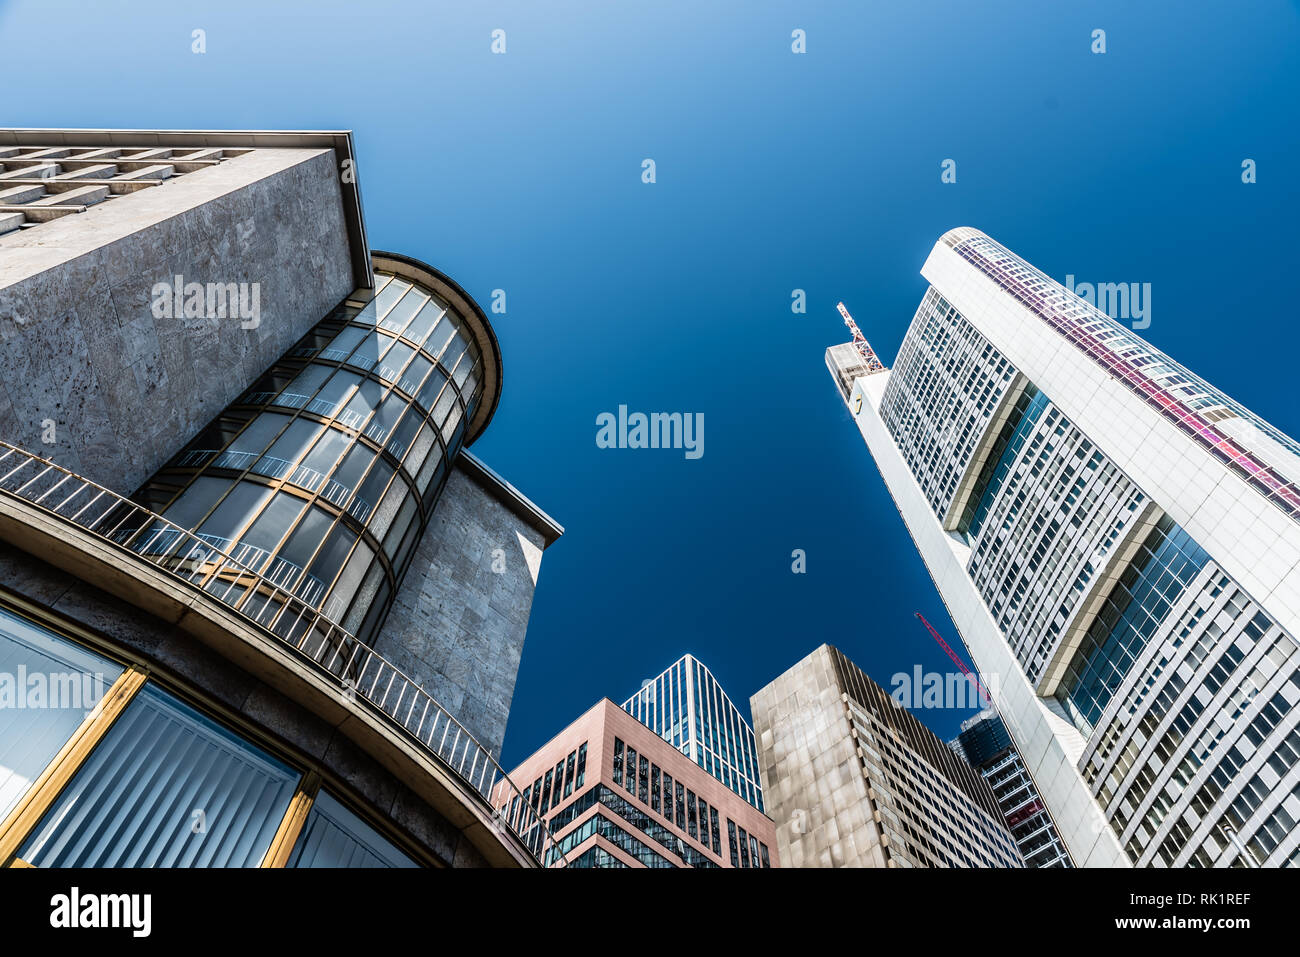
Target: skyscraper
point(616, 794)
point(1118, 541)
point(259, 605)
point(855, 780)
point(987, 747)
point(687, 707)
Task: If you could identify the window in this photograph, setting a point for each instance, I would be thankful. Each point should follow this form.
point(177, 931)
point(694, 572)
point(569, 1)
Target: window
point(629, 780)
point(546, 792)
point(668, 795)
point(714, 831)
point(618, 761)
point(70, 679)
point(681, 807)
point(197, 796)
point(559, 780)
point(643, 780)
point(335, 837)
point(568, 772)
point(731, 840)
point(582, 766)
point(691, 813)
point(654, 787)
point(744, 848)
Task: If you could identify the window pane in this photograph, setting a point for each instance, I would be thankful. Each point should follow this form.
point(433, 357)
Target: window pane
point(257, 436)
point(47, 684)
point(167, 787)
point(335, 837)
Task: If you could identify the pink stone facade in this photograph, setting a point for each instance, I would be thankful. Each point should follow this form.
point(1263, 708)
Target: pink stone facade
point(598, 728)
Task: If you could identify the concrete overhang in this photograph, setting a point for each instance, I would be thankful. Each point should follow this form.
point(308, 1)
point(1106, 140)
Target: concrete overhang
point(338, 140)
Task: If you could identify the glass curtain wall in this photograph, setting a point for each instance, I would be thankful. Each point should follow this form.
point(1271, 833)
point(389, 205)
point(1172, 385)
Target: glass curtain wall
point(322, 476)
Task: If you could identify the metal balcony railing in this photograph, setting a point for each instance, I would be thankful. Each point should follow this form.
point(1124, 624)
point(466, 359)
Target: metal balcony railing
point(363, 676)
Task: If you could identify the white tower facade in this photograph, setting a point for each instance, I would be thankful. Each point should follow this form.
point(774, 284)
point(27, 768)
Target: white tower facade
point(1118, 542)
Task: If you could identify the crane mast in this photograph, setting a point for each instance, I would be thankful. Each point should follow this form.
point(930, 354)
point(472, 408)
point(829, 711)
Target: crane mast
point(860, 342)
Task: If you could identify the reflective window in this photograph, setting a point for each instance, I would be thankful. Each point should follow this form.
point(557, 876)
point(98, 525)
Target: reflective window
point(376, 422)
point(47, 685)
point(167, 787)
point(1152, 582)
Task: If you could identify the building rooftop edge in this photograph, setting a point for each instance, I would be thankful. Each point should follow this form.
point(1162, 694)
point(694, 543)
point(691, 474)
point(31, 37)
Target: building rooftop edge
point(515, 500)
point(338, 140)
point(559, 734)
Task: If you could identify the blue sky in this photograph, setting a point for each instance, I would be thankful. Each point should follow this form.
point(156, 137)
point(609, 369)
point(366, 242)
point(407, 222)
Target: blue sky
point(775, 171)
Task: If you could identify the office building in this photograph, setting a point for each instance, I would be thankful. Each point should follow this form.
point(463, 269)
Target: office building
point(987, 747)
point(259, 604)
point(1114, 538)
point(688, 708)
point(615, 792)
point(853, 779)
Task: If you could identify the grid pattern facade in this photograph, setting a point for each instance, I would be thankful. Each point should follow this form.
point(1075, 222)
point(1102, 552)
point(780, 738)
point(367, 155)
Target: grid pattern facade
point(1191, 761)
point(1265, 457)
point(1185, 704)
point(688, 708)
point(608, 781)
point(42, 183)
point(1051, 514)
point(941, 395)
point(933, 808)
point(987, 747)
point(322, 476)
point(1137, 606)
point(857, 781)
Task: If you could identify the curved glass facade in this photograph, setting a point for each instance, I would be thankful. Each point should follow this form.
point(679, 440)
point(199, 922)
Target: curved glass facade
point(322, 476)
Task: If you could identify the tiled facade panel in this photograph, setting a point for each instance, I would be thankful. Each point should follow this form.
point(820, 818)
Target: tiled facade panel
point(615, 794)
point(812, 777)
point(457, 623)
point(82, 346)
point(943, 391)
point(854, 780)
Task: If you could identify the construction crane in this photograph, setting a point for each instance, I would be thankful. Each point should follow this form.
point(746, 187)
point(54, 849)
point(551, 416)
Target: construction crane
point(955, 660)
point(860, 342)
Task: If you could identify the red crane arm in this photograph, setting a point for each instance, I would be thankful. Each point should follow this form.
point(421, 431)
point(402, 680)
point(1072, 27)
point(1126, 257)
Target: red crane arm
point(955, 660)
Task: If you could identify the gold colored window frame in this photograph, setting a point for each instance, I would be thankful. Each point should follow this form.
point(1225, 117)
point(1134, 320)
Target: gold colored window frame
point(31, 809)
